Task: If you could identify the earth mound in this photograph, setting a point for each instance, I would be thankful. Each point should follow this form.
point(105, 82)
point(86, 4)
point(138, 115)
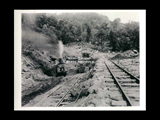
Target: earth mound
point(126, 54)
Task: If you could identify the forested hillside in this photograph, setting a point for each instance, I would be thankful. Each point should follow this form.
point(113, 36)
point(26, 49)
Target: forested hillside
point(89, 27)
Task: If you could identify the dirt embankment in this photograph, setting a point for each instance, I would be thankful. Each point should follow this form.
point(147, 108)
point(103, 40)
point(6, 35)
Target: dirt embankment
point(131, 65)
point(124, 55)
point(37, 67)
point(129, 60)
point(38, 70)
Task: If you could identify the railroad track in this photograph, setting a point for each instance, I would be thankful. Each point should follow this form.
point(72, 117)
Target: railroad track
point(127, 83)
point(123, 88)
point(60, 95)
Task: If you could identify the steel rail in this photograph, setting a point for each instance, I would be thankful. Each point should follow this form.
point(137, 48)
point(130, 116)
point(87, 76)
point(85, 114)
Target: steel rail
point(78, 96)
point(137, 80)
point(70, 89)
point(129, 103)
point(65, 95)
point(59, 102)
point(50, 94)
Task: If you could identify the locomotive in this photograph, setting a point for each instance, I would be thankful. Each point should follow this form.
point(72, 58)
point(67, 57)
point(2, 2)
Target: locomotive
point(61, 69)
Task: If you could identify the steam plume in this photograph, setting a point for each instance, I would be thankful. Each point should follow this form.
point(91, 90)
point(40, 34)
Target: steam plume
point(61, 49)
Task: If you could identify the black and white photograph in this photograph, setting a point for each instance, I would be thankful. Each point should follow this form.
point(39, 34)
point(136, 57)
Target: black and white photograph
point(79, 59)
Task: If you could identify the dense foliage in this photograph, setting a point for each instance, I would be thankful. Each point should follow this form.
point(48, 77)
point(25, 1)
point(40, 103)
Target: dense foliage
point(90, 27)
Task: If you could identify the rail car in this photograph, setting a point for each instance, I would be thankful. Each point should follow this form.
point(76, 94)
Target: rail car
point(85, 55)
point(61, 69)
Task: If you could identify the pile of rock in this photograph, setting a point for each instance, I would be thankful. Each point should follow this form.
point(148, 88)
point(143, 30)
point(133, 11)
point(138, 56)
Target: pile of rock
point(126, 54)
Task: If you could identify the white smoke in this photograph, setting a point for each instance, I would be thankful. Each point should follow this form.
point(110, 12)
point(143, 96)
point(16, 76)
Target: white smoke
point(61, 48)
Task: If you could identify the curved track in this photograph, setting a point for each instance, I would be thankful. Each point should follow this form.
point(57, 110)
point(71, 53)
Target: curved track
point(59, 96)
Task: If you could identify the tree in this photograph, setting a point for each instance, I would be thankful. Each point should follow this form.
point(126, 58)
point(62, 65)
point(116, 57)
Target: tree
point(88, 34)
point(113, 40)
point(103, 33)
point(83, 36)
point(41, 19)
point(135, 39)
point(78, 31)
point(52, 21)
point(116, 24)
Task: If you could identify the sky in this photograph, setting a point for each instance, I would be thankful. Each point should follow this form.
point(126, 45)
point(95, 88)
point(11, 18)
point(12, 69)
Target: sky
point(124, 15)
